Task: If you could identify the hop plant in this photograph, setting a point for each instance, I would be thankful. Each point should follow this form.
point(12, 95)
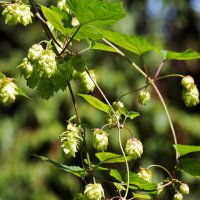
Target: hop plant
point(178, 196)
point(87, 83)
point(191, 97)
point(100, 140)
point(144, 97)
point(145, 174)
point(93, 192)
point(8, 91)
point(184, 189)
point(16, 13)
point(134, 148)
point(70, 140)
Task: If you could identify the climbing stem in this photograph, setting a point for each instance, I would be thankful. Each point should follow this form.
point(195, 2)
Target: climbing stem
point(119, 131)
point(151, 82)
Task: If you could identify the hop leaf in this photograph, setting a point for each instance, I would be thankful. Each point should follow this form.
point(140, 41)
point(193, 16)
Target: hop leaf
point(93, 192)
point(144, 97)
point(70, 140)
point(100, 140)
point(145, 174)
point(134, 148)
point(16, 13)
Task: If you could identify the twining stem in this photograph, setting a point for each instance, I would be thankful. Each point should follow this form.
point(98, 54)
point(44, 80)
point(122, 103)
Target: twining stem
point(151, 81)
point(119, 132)
point(159, 166)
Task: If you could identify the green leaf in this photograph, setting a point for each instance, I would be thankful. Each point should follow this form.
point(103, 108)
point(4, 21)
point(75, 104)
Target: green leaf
point(188, 54)
point(108, 157)
point(96, 12)
point(141, 196)
point(45, 88)
point(119, 186)
point(114, 173)
point(75, 170)
point(103, 47)
point(128, 114)
point(185, 149)
point(190, 166)
point(22, 93)
point(55, 18)
point(135, 44)
point(139, 183)
point(96, 103)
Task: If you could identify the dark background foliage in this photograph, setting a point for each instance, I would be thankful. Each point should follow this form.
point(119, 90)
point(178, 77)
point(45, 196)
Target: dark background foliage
point(34, 126)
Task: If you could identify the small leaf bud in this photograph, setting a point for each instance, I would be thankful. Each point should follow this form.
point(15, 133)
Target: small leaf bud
point(187, 82)
point(184, 189)
point(144, 97)
point(100, 140)
point(178, 196)
point(145, 174)
point(93, 192)
point(134, 148)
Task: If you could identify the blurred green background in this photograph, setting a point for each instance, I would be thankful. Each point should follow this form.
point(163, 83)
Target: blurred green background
point(34, 126)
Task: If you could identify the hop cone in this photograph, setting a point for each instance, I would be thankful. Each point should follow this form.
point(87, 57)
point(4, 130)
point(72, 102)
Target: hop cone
point(100, 140)
point(93, 192)
point(134, 148)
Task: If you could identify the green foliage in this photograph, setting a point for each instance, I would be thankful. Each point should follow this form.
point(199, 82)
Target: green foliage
point(185, 149)
point(96, 103)
point(136, 44)
point(190, 166)
point(51, 66)
point(108, 157)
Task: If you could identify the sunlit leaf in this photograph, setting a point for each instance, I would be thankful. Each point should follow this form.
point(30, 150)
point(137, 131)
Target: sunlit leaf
point(56, 18)
point(190, 166)
point(96, 12)
point(119, 186)
point(96, 103)
point(139, 183)
point(108, 157)
point(188, 54)
point(141, 196)
point(22, 93)
point(185, 149)
point(133, 43)
point(103, 47)
point(114, 173)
